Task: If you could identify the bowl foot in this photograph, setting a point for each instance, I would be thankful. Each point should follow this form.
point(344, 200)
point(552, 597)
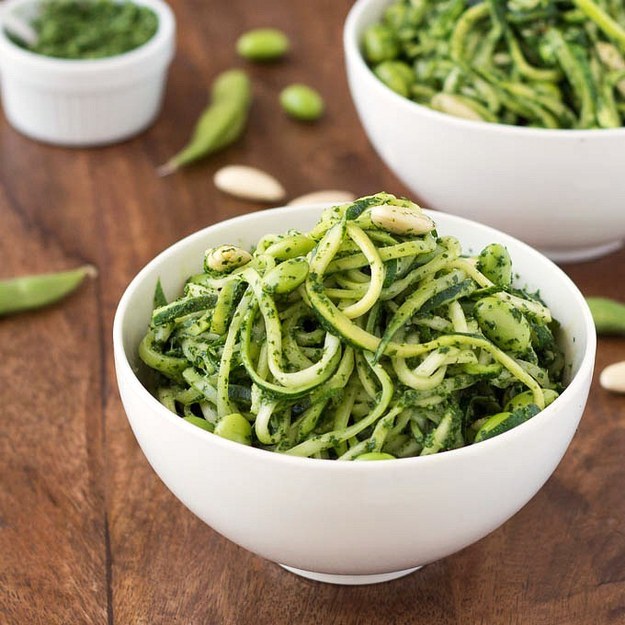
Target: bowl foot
point(582, 254)
point(350, 580)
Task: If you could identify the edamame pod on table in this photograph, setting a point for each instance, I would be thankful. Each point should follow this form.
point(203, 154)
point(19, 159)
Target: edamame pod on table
point(36, 291)
point(221, 123)
point(608, 315)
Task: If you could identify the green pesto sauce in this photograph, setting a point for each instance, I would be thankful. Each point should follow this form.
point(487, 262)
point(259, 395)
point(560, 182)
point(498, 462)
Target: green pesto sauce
point(91, 29)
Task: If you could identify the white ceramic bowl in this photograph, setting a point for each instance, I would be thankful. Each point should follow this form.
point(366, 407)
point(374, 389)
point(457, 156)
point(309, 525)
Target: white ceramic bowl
point(561, 191)
point(350, 522)
point(84, 102)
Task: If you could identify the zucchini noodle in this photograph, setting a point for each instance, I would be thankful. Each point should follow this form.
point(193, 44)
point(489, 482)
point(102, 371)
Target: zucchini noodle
point(530, 63)
point(370, 334)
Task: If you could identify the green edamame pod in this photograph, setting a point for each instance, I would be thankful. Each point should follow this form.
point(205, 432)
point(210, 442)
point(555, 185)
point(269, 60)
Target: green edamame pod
point(495, 263)
point(263, 44)
point(503, 324)
point(235, 427)
point(302, 102)
point(221, 123)
point(608, 315)
point(36, 291)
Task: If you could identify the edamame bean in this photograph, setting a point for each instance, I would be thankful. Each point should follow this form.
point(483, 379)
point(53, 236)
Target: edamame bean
point(375, 455)
point(379, 44)
point(290, 246)
point(527, 397)
point(503, 324)
point(608, 315)
point(504, 421)
point(221, 123)
point(405, 18)
point(36, 291)
point(287, 276)
point(235, 427)
point(302, 102)
point(495, 263)
point(396, 75)
point(263, 44)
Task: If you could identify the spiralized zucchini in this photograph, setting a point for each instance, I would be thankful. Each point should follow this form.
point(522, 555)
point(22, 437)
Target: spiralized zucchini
point(369, 337)
point(537, 63)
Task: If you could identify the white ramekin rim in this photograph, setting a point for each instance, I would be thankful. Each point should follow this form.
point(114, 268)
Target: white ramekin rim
point(351, 45)
point(147, 59)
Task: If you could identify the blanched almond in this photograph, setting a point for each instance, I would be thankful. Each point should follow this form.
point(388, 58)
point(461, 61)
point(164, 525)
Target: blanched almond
point(249, 183)
point(226, 258)
point(401, 220)
point(612, 378)
point(328, 196)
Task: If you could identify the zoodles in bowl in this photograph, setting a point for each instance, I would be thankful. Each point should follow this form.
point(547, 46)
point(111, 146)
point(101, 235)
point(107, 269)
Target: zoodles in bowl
point(539, 63)
point(371, 336)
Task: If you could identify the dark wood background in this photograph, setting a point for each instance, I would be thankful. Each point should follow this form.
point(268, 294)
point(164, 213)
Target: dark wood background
point(88, 534)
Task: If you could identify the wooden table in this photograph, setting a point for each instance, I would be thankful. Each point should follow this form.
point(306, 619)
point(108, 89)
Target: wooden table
point(88, 533)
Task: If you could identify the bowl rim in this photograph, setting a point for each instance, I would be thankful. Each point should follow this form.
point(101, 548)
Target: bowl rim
point(164, 32)
point(353, 54)
point(124, 368)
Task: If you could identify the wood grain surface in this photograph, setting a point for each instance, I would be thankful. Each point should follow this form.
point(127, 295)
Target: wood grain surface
point(88, 533)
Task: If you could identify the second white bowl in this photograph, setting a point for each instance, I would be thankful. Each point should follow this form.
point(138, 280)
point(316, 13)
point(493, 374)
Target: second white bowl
point(561, 191)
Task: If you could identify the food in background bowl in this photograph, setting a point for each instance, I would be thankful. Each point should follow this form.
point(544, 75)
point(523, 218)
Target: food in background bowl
point(560, 190)
point(75, 29)
point(541, 64)
point(330, 520)
point(371, 336)
point(111, 88)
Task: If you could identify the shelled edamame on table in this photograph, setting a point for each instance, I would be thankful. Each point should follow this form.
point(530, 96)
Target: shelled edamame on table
point(540, 63)
point(370, 336)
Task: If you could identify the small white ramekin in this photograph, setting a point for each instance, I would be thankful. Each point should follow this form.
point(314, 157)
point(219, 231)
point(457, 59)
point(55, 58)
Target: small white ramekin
point(84, 102)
